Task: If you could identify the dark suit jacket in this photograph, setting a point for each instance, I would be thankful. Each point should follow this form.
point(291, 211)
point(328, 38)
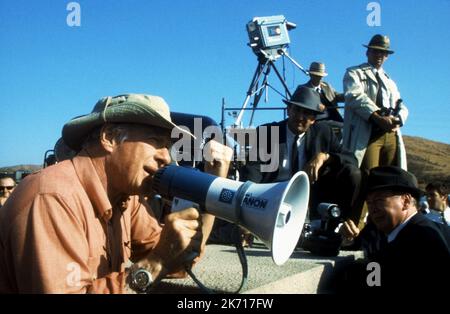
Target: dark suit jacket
point(419, 257)
point(318, 138)
point(330, 99)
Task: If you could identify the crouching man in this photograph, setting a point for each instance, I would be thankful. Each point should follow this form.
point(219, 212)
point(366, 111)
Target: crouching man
point(71, 228)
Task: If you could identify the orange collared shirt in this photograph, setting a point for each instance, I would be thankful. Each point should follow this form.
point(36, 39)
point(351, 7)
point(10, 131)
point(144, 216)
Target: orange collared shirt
point(59, 233)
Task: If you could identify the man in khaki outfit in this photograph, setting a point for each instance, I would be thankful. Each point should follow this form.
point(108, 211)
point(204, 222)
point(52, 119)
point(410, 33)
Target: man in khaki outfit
point(72, 227)
point(370, 132)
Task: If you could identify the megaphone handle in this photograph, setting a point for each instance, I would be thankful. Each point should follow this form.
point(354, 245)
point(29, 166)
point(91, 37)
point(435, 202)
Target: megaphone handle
point(244, 264)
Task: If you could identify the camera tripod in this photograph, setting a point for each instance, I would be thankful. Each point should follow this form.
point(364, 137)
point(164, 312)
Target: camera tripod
point(266, 62)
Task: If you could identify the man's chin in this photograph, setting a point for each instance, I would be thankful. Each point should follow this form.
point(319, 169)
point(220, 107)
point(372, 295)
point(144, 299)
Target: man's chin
point(146, 187)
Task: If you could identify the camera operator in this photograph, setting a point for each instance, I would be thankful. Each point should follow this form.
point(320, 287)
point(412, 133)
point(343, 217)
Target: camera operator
point(71, 228)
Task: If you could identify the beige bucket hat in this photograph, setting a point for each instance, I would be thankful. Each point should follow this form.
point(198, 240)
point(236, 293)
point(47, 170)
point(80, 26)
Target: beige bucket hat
point(128, 108)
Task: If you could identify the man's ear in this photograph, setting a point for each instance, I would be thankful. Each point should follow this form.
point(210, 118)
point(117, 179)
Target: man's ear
point(407, 200)
point(107, 137)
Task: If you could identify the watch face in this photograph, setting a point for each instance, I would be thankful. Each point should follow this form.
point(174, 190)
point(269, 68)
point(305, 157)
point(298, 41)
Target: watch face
point(141, 279)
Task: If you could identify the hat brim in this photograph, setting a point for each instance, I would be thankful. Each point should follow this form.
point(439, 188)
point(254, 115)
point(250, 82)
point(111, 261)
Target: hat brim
point(417, 193)
point(322, 74)
point(380, 48)
point(76, 131)
point(302, 105)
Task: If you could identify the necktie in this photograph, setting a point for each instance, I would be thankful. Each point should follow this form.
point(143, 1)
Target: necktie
point(294, 156)
point(379, 101)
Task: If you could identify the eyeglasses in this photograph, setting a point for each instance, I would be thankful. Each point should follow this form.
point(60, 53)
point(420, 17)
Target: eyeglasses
point(9, 188)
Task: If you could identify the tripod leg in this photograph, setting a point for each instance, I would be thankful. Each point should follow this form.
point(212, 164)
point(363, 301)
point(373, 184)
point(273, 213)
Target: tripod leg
point(259, 94)
point(259, 70)
point(281, 79)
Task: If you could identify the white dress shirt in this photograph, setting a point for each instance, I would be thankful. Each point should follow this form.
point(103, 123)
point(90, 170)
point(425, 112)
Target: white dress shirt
point(386, 94)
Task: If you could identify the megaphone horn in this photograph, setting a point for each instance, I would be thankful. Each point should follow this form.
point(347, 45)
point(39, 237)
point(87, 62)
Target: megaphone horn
point(274, 212)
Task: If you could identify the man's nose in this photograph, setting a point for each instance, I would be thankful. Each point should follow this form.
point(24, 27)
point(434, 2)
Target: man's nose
point(163, 156)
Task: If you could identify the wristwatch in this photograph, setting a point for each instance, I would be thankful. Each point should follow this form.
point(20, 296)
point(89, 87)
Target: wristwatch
point(141, 280)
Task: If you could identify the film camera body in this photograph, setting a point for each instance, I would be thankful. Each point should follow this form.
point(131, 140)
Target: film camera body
point(268, 35)
point(320, 236)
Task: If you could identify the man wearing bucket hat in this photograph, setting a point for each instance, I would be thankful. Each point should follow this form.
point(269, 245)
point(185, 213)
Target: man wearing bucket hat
point(328, 95)
point(72, 227)
point(412, 242)
point(309, 146)
point(371, 134)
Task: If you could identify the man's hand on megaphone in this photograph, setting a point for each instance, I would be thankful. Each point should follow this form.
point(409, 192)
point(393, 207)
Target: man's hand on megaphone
point(180, 240)
point(217, 158)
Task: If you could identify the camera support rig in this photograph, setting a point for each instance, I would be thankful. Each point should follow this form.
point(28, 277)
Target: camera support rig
point(269, 40)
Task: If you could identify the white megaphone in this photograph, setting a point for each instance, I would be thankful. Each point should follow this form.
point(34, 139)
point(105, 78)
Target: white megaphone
point(274, 212)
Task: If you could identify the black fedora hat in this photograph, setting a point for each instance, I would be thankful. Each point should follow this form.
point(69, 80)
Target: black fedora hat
point(380, 42)
point(394, 179)
point(306, 98)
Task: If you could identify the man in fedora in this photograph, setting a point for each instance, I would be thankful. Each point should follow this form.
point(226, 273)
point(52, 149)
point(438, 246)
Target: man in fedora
point(71, 227)
point(371, 132)
point(329, 97)
point(415, 253)
point(309, 146)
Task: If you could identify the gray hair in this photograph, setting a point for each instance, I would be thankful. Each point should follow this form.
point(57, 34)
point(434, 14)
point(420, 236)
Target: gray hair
point(120, 131)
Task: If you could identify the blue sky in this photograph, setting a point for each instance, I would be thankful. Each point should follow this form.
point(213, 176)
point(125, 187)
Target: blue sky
point(194, 52)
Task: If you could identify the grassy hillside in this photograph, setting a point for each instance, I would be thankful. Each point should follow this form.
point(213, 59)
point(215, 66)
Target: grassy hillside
point(31, 168)
point(428, 160)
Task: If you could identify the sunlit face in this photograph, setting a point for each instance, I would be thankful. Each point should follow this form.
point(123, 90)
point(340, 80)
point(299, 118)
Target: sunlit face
point(133, 162)
point(436, 200)
point(6, 187)
point(386, 209)
point(376, 57)
point(299, 119)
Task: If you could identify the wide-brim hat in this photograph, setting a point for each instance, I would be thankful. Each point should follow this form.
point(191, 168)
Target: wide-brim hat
point(306, 98)
point(129, 108)
point(394, 179)
point(380, 42)
point(317, 68)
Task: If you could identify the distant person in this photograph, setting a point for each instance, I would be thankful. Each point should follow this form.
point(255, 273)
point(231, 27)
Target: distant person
point(437, 197)
point(312, 147)
point(72, 227)
point(7, 185)
point(414, 252)
point(329, 97)
point(370, 132)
